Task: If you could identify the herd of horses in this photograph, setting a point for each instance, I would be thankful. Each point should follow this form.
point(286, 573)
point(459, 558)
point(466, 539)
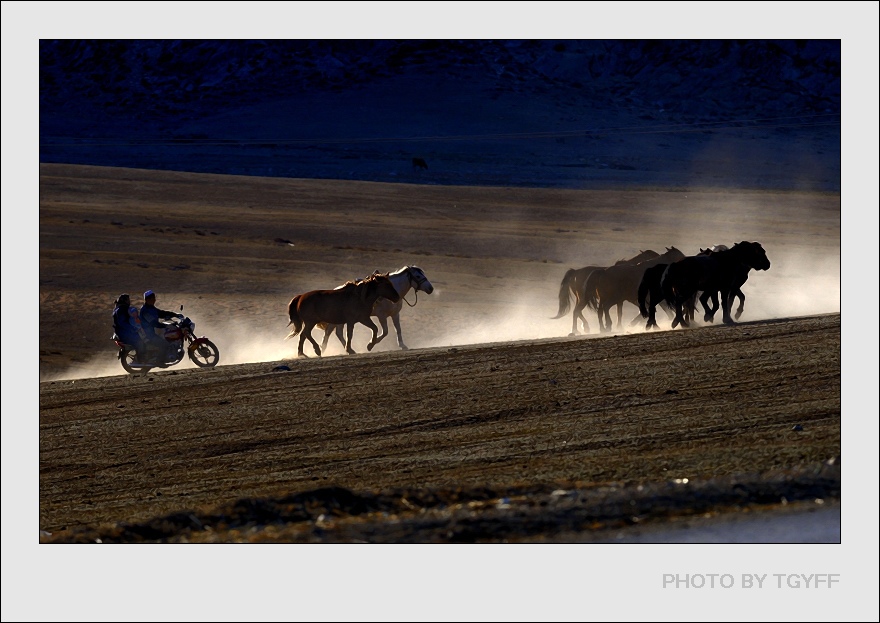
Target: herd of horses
point(670, 280)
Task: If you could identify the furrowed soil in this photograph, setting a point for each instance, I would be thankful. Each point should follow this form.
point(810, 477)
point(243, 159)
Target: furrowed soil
point(495, 425)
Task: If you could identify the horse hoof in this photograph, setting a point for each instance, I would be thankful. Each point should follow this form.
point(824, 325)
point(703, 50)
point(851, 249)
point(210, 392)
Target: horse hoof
point(404, 347)
point(370, 346)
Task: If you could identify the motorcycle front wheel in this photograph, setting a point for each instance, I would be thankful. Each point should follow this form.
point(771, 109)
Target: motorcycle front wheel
point(127, 357)
point(205, 354)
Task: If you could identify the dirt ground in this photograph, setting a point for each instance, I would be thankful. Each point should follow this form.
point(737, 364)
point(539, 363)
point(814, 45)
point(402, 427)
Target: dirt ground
point(494, 426)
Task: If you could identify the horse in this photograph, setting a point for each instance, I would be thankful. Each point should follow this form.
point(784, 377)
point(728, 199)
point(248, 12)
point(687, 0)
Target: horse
point(736, 290)
point(419, 163)
point(573, 286)
point(403, 279)
point(649, 290)
point(349, 304)
point(720, 272)
point(619, 284)
point(651, 293)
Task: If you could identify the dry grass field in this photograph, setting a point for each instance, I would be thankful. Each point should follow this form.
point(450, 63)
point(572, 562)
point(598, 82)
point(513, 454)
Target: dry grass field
point(494, 426)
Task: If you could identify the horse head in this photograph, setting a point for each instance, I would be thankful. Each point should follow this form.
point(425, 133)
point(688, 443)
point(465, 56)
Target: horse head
point(752, 254)
point(673, 255)
point(418, 278)
point(380, 286)
point(643, 256)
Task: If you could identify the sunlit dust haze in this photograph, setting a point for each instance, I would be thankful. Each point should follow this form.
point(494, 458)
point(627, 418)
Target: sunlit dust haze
point(798, 284)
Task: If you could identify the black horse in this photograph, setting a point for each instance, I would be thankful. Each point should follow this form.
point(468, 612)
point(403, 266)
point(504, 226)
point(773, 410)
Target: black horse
point(651, 294)
point(718, 272)
point(736, 291)
point(617, 285)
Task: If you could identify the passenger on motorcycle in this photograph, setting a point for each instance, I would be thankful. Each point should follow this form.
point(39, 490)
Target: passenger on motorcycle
point(127, 322)
point(157, 347)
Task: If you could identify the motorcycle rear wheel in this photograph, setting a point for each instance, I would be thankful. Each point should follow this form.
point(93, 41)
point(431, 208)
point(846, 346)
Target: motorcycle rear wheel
point(128, 357)
point(205, 354)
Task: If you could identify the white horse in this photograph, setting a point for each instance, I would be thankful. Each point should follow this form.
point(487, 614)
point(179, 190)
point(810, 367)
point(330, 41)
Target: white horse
point(404, 279)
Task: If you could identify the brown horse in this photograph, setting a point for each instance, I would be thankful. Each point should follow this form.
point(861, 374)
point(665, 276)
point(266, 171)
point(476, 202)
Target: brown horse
point(404, 279)
point(617, 285)
point(347, 305)
point(573, 286)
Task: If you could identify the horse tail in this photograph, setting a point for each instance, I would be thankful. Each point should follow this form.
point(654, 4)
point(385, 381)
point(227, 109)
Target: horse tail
point(644, 288)
point(591, 295)
point(565, 293)
point(295, 320)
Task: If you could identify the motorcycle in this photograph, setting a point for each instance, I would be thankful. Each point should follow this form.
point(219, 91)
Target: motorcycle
point(180, 338)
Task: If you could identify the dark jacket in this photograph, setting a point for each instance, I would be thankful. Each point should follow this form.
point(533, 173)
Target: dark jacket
point(150, 315)
point(127, 325)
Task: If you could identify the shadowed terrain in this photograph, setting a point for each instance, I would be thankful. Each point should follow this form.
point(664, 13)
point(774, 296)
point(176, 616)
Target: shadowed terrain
point(494, 426)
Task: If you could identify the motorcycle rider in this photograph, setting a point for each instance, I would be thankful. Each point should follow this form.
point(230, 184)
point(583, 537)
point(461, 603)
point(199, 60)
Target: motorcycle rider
point(127, 322)
point(157, 347)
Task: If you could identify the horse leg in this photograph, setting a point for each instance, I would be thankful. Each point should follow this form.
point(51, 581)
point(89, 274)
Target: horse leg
point(604, 318)
point(578, 314)
point(679, 315)
point(620, 316)
point(709, 315)
point(350, 331)
point(307, 335)
point(652, 317)
point(327, 331)
point(601, 320)
point(383, 321)
point(742, 302)
point(635, 320)
point(307, 331)
point(396, 320)
point(375, 331)
point(726, 298)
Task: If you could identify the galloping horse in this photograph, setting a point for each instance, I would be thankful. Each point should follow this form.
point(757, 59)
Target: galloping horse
point(347, 305)
point(736, 290)
point(573, 286)
point(720, 271)
point(617, 285)
point(403, 279)
point(651, 294)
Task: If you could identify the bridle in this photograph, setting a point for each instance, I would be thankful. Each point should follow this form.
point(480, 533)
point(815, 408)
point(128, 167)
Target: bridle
point(419, 281)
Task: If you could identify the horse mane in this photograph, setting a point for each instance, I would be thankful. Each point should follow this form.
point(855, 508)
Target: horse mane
point(367, 279)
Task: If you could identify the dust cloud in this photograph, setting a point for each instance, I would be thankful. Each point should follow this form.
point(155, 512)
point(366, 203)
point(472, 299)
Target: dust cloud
point(798, 284)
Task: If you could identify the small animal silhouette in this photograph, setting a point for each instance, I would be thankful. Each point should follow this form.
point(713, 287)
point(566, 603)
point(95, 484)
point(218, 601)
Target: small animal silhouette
point(419, 163)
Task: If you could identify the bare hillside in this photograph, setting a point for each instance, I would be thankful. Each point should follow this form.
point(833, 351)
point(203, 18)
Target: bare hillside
point(493, 406)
